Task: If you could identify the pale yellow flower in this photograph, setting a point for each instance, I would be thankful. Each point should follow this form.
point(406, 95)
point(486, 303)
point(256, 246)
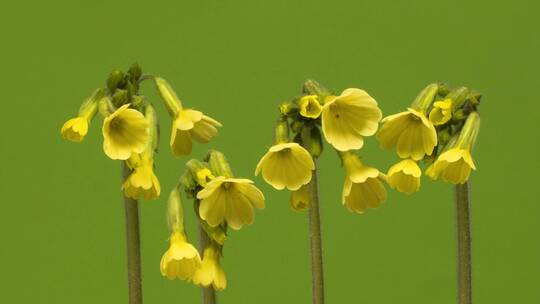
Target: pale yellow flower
point(441, 112)
point(181, 260)
point(142, 182)
point(452, 166)
point(405, 176)
point(286, 165)
point(125, 132)
point(300, 200)
point(347, 118)
point(188, 125)
point(75, 129)
point(362, 188)
point(411, 132)
point(230, 199)
point(210, 273)
point(309, 106)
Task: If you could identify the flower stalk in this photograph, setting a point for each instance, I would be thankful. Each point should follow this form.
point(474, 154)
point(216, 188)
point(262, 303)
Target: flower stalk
point(208, 293)
point(133, 245)
point(315, 235)
point(464, 264)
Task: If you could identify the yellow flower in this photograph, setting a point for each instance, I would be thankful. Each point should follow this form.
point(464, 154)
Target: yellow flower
point(230, 199)
point(142, 182)
point(75, 129)
point(405, 176)
point(452, 166)
point(181, 260)
point(210, 272)
point(441, 112)
point(412, 133)
point(309, 106)
point(125, 132)
point(300, 199)
point(362, 188)
point(286, 165)
point(347, 118)
point(190, 124)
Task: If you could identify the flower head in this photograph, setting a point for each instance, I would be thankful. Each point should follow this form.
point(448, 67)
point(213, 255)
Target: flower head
point(125, 132)
point(230, 199)
point(309, 106)
point(347, 118)
point(405, 176)
point(190, 124)
point(362, 188)
point(142, 182)
point(452, 166)
point(181, 260)
point(412, 133)
point(286, 165)
point(210, 273)
point(441, 112)
point(75, 129)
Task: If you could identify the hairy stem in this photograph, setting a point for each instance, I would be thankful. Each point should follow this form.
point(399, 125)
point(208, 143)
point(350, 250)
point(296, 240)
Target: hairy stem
point(316, 242)
point(464, 244)
point(133, 246)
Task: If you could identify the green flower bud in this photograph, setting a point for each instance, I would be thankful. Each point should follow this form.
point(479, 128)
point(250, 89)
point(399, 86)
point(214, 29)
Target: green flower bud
point(115, 79)
point(119, 98)
point(312, 87)
point(425, 98)
point(135, 73)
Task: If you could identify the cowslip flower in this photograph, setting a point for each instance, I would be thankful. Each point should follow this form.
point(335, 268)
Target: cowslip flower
point(299, 199)
point(348, 118)
point(181, 260)
point(309, 106)
point(286, 165)
point(75, 129)
point(363, 187)
point(230, 199)
point(411, 132)
point(441, 112)
point(190, 124)
point(125, 132)
point(142, 182)
point(210, 273)
point(405, 176)
point(455, 164)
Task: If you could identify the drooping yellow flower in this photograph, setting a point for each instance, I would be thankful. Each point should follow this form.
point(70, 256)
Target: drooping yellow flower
point(452, 166)
point(190, 124)
point(286, 165)
point(230, 199)
point(411, 132)
point(125, 132)
point(300, 200)
point(362, 188)
point(405, 176)
point(347, 118)
point(210, 273)
point(181, 260)
point(309, 106)
point(441, 112)
point(142, 182)
point(75, 129)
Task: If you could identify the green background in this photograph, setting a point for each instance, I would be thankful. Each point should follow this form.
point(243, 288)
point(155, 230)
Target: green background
point(61, 219)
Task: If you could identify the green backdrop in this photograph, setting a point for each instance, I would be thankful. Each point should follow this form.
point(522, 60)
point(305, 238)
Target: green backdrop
point(62, 225)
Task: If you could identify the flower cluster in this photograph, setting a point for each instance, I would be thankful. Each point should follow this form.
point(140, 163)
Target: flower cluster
point(343, 120)
point(130, 127)
point(439, 127)
point(221, 201)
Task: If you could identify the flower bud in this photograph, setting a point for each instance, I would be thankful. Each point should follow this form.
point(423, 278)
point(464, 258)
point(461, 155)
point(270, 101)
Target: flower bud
point(115, 80)
point(309, 106)
point(200, 172)
point(219, 164)
point(287, 108)
point(167, 94)
point(424, 99)
point(312, 87)
point(135, 72)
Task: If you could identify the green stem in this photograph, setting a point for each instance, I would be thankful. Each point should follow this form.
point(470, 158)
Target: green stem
point(464, 244)
point(133, 246)
point(316, 242)
point(208, 293)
